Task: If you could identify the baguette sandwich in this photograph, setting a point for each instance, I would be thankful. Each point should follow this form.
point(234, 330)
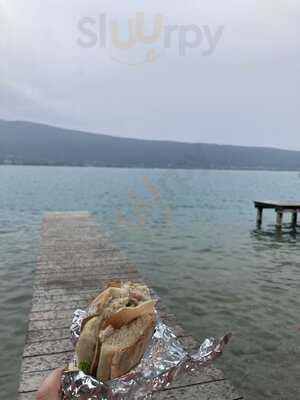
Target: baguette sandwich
point(114, 339)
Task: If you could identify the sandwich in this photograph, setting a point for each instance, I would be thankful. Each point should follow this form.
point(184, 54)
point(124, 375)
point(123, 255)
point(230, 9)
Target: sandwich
point(114, 337)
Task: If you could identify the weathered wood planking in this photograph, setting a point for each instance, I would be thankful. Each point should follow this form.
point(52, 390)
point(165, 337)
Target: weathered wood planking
point(76, 261)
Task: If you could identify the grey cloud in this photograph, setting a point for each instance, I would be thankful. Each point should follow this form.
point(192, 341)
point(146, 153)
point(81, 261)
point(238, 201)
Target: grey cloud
point(245, 92)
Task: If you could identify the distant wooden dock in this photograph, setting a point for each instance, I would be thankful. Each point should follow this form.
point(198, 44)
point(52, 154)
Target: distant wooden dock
point(76, 261)
point(280, 208)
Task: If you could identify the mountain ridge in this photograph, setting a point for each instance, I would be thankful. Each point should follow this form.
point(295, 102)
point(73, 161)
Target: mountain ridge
point(29, 143)
point(47, 125)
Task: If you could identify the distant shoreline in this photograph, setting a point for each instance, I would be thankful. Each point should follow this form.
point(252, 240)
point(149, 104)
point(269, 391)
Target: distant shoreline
point(147, 167)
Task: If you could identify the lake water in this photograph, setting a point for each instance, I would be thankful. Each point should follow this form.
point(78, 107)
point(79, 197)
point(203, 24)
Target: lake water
point(192, 234)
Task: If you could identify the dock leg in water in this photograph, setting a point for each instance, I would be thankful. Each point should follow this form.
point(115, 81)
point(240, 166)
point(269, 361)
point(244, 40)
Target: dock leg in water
point(279, 219)
point(259, 217)
point(294, 219)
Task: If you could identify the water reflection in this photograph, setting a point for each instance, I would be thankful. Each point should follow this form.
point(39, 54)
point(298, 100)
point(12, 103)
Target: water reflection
point(271, 234)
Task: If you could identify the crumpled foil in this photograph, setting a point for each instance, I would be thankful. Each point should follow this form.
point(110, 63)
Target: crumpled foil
point(163, 361)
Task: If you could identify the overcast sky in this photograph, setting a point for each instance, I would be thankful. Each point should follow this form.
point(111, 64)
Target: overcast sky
point(245, 92)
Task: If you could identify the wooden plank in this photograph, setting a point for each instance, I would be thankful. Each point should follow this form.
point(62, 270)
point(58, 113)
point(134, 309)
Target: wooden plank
point(27, 396)
point(51, 315)
point(277, 204)
point(220, 390)
point(46, 362)
point(36, 336)
point(47, 347)
point(75, 263)
point(47, 298)
point(65, 291)
point(48, 324)
point(44, 306)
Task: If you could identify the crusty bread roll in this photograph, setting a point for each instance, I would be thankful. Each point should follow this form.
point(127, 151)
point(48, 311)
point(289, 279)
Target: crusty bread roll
point(86, 345)
point(114, 339)
point(124, 348)
point(127, 314)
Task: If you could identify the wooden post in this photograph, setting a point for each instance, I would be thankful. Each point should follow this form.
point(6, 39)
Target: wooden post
point(279, 219)
point(294, 219)
point(259, 217)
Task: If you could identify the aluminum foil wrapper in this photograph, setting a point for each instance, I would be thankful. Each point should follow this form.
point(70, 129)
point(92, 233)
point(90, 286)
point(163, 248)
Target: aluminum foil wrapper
point(163, 361)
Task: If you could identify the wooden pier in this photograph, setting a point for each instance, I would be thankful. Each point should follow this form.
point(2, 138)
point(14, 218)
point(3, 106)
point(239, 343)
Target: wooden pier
point(76, 261)
point(280, 208)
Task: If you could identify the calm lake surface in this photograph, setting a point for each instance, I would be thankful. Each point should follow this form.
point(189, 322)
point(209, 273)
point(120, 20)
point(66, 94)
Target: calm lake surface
point(192, 234)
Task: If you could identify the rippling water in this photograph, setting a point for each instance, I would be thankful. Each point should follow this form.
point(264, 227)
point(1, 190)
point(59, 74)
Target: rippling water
point(192, 234)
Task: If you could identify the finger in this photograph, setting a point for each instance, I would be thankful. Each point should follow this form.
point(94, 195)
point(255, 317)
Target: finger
point(50, 388)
